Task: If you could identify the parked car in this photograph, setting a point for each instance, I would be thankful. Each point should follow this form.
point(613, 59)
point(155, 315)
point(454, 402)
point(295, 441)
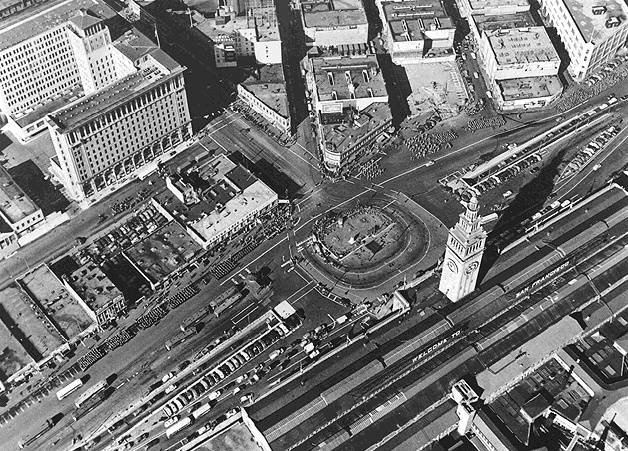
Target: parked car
point(276, 353)
point(170, 421)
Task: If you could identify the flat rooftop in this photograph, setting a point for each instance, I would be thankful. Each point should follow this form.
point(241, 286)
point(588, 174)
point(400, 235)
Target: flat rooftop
point(504, 21)
point(225, 194)
point(269, 87)
point(14, 356)
point(593, 27)
point(134, 45)
point(34, 21)
point(339, 137)
point(410, 19)
point(163, 252)
point(236, 437)
point(522, 45)
point(359, 74)
point(38, 334)
point(530, 87)
point(520, 359)
point(108, 98)
point(264, 19)
point(496, 4)
point(93, 286)
point(219, 32)
point(333, 13)
point(52, 296)
point(15, 204)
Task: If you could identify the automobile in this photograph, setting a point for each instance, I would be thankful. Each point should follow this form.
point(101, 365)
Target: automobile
point(284, 328)
point(236, 390)
point(170, 421)
point(507, 194)
point(214, 395)
point(167, 377)
point(205, 384)
point(197, 390)
point(246, 355)
point(218, 374)
point(473, 55)
point(171, 388)
point(429, 163)
point(230, 413)
point(276, 353)
point(241, 378)
point(240, 359)
point(202, 429)
point(476, 75)
point(489, 94)
point(188, 395)
point(253, 379)
point(315, 353)
point(534, 170)
point(248, 398)
point(464, 57)
point(228, 367)
point(258, 368)
point(128, 445)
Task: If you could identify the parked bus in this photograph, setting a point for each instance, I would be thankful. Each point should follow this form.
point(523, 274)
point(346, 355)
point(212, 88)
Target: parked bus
point(88, 405)
point(30, 439)
point(100, 386)
point(181, 424)
point(179, 338)
point(69, 389)
point(202, 410)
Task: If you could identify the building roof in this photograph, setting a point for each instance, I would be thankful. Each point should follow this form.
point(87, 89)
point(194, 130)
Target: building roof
point(15, 204)
point(269, 86)
point(410, 19)
point(519, 360)
point(212, 28)
point(224, 194)
point(521, 45)
point(264, 20)
point(110, 97)
point(333, 13)
point(593, 27)
point(34, 21)
point(93, 286)
point(503, 21)
point(482, 5)
point(358, 74)
point(530, 87)
point(134, 45)
point(339, 137)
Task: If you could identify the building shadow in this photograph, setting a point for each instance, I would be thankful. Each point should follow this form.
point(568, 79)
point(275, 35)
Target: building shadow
point(38, 187)
point(397, 86)
point(5, 141)
point(528, 201)
point(278, 181)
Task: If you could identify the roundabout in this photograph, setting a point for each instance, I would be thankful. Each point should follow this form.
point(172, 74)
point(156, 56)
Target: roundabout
point(366, 244)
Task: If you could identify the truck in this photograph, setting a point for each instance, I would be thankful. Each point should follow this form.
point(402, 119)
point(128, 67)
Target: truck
point(179, 425)
point(179, 338)
point(30, 439)
point(100, 386)
point(90, 404)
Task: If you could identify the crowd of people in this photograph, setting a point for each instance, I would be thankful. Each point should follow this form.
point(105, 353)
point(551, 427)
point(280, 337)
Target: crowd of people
point(369, 170)
point(151, 318)
point(485, 122)
point(422, 145)
point(93, 356)
point(182, 296)
point(118, 340)
point(582, 93)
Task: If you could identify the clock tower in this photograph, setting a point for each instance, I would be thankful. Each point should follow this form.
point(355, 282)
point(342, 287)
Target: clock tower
point(463, 255)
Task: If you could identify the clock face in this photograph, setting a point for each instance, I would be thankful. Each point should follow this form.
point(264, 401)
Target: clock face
point(452, 266)
point(472, 267)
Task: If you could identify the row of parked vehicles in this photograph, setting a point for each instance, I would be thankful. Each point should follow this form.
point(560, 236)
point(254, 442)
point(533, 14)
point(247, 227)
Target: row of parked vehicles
point(584, 156)
point(606, 70)
point(508, 173)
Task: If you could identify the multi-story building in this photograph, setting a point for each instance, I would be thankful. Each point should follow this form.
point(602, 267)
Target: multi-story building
point(251, 38)
point(467, 8)
point(214, 199)
point(518, 52)
point(93, 290)
point(105, 136)
point(17, 210)
point(265, 92)
point(417, 30)
point(592, 32)
point(51, 58)
point(328, 23)
point(342, 88)
point(519, 60)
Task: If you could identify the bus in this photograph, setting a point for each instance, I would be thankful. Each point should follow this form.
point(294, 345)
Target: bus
point(30, 439)
point(69, 389)
point(202, 410)
point(88, 405)
point(179, 338)
point(100, 386)
point(181, 424)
